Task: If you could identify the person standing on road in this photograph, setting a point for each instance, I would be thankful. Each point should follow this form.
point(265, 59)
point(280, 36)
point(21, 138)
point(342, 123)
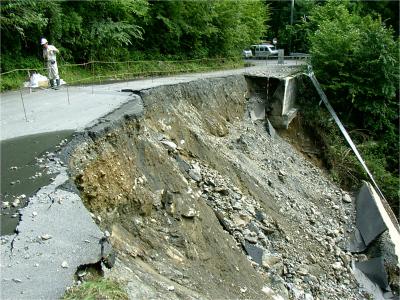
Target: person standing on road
point(49, 55)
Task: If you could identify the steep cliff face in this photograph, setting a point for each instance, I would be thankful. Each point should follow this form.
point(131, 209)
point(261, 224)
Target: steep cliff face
point(202, 202)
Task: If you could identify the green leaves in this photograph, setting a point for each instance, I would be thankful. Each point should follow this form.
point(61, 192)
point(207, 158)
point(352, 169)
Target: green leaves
point(205, 28)
point(356, 58)
point(91, 29)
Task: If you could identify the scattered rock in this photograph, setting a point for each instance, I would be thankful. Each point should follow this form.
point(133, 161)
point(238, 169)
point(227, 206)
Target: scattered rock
point(195, 173)
point(346, 198)
point(251, 239)
point(337, 265)
point(302, 271)
point(16, 280)
point(189, 213)
point(46, 237)
point(167, 199)
point(269, 260)
point(169, 145)
point(81, 273)
point(64, 264)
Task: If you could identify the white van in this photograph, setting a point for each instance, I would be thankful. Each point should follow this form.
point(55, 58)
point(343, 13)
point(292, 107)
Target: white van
point(263, 50)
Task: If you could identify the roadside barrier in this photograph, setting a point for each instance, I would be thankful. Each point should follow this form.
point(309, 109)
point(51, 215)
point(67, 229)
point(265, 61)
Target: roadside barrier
point(353, 147)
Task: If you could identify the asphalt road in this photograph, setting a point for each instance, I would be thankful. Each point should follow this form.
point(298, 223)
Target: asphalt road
point(75, 107)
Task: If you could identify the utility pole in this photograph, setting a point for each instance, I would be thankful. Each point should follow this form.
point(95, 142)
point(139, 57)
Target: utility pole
point(291, 13)
point(291, 24)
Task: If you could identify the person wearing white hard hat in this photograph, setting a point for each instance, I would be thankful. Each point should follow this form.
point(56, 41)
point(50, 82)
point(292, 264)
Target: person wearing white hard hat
point(49, 54)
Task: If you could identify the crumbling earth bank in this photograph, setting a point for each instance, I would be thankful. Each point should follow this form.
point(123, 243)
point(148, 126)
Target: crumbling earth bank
point(203, 203)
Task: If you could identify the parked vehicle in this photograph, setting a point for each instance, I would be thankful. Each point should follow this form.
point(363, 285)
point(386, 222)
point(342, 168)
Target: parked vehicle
point(247, 53)
point(263, 50)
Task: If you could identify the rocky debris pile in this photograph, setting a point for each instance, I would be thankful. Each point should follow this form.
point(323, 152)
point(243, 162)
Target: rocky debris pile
point(227, 213)
point(306, 256)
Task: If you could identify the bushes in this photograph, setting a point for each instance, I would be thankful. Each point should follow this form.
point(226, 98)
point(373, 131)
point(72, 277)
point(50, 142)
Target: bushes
point(356, 60)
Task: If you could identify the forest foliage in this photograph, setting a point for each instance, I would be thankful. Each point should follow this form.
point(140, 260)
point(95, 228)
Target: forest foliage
point(128, 29)
point(355, 56)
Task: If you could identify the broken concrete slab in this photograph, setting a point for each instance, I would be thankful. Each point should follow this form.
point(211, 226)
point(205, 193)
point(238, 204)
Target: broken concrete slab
point(376, 232)
point(257, 111)
point(271, 129)
point(38, 263)
point(356, 242)
point(374, 269)
point(369, 220)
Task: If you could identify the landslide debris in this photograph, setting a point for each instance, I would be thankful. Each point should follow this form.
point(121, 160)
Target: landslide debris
point(203, 203)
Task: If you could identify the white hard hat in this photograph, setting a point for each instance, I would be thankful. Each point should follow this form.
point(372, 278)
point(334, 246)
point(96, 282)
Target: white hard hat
point(43, 41)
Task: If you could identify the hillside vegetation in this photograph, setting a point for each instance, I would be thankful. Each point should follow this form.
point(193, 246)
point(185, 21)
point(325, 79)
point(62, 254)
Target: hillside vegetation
point(128, 29)
point(355, 56)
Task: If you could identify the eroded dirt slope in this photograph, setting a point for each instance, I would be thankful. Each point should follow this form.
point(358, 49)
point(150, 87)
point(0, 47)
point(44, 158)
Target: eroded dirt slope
point(203, 203)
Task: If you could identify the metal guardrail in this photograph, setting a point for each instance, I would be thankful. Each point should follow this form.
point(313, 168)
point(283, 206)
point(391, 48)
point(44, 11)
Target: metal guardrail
point(353, 147)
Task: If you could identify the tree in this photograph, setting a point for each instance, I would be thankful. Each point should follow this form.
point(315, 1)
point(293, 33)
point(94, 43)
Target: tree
point(356, 58)
point(205, 28)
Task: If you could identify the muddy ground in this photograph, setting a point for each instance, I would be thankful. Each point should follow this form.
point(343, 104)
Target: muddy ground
point(203, 203)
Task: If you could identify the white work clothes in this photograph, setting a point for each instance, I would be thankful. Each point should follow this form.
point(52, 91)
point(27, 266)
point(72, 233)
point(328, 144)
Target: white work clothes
point(49, 54)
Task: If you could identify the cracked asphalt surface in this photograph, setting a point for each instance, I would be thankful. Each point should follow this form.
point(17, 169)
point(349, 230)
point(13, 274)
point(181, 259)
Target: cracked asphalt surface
point(74, 108)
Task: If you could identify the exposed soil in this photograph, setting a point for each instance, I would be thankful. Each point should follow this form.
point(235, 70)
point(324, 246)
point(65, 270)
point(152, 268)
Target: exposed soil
point(304, 142)
point(203, 203)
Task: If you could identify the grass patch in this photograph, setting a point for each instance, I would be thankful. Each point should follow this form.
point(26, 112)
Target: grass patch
point(100, 288)
point(100, 72)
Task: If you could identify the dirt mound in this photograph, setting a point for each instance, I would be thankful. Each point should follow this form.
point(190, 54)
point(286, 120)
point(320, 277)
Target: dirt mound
point(203, 203)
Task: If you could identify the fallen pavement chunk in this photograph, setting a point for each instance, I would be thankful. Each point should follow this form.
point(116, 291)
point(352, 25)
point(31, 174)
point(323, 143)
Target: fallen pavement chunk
point(374, 269)
point(256, 253)
point(369, 220)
